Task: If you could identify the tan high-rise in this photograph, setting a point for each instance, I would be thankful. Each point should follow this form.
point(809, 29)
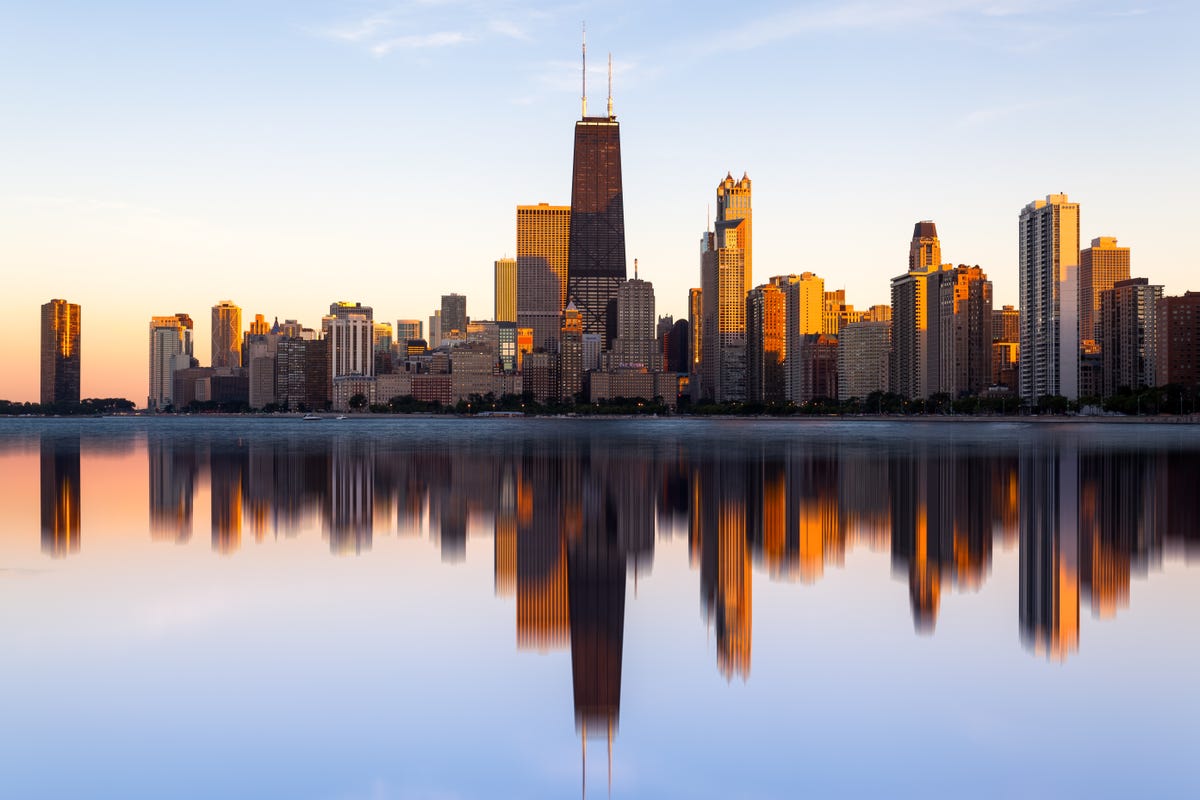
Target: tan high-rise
point(506, 290)
point(226, 334)
point(1100, 266)
point(543, 239)
point(726, 273)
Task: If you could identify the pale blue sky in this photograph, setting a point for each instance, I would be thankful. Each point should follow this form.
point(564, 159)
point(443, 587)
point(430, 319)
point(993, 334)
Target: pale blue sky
point(159, 157)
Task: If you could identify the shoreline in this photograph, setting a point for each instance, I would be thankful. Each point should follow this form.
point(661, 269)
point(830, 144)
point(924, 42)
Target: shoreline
point(1173, 419)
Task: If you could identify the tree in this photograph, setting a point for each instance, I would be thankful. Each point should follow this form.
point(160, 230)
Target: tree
point(358, 402)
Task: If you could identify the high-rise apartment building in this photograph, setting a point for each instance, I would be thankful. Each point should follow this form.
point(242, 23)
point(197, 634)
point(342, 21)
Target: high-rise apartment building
point(804, 311)
point(863, 355)
point(226, 334)
point(1178, 358)
point(766, 344)
point(350, 334)
point(570, 354)
point(596, 251)
point(1100, 266)
point(506, 290)
point(170, 350)
point(454, 315)
point(1129, 318)
point(1006, 324)
point(543, 237)
point(635, 343)
point(965, 316)
point(60, 357)
point(1048, 266)
point(916, 307)
point(435, 329)
point(695, 322)
point(725, 273)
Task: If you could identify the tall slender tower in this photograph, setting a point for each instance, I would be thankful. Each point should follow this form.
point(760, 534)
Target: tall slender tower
point(226, 334)
point(1048, 261)
point(506, 290)
point(725, 280)
point(596, 250)
point(60, 352)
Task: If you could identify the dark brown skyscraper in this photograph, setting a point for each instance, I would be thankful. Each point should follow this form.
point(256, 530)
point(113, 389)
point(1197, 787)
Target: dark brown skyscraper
point(596, 251)
point(60, 352)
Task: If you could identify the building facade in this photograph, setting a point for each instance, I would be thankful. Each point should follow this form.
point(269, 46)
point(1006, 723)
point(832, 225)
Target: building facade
point(1178, 358)
point(1048, 267)
point(766, 344)
point(596, 248)
point(863, 354)
point(506, 290)
point(170, 350)
point(1100, 266)
point(226, 335)
point(61, 363)
point(543, 239)
point(1129, 339)
point(725, 270)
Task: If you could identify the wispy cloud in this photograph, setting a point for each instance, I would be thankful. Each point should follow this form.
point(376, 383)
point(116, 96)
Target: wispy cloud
point(427, 24)
point(418, 41)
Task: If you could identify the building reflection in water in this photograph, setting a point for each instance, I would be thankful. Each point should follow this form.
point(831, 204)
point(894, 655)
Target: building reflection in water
point(60, 499)
point(572, 516)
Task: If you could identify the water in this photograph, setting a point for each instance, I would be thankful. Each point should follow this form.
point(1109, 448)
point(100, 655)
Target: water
point(542, 608)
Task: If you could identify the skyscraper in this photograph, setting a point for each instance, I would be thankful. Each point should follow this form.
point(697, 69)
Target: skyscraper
point(916, 307)
point(170, 350)
point(543, 236)
point(60, 352)
point(350, 334)
point(765, 344)
point(635, 344)
point(725, 279)
point(226, 334)
point(1178, 358)
point(804, 306)
point(965, 317)
point(570, 362)
point(1100, 266)
point(454, 314)
point(1129, 334)
point(596, 250)
point(1048, 263)
point(506, 290)
point(863, 349)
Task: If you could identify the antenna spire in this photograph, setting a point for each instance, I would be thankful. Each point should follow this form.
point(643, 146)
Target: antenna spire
point(635, 278)
point(610, 114)
point(583, 97)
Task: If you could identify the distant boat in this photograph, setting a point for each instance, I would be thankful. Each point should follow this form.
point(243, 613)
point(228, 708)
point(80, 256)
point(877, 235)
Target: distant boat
point(341, 416)
point(311, 418)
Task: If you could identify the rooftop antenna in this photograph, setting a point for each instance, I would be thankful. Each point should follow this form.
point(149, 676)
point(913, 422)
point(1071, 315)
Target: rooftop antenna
point(635, 278)
point(583, 97)
point(610, 114)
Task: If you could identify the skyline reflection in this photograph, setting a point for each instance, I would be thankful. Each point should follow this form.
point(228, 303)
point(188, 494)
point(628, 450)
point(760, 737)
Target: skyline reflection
point(570, 514)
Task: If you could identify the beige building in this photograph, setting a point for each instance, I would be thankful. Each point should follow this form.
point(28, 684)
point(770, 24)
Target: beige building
point(543, 238)
point(916, 307)
point(631, 383)
point(862, 359)
point(726, 270)
point(804, 310)
point(1100, 266)
point(506, 290)
point(1048, 268)
point(226, 334)
point(170, 350)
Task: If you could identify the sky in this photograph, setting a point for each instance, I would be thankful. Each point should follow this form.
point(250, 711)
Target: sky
point(161, 157)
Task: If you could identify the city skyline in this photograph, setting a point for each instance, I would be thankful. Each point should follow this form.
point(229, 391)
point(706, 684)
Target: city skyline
point(158, 213)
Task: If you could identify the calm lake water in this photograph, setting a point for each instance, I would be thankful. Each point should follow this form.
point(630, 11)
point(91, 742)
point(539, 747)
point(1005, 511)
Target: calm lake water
point(241, 608)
